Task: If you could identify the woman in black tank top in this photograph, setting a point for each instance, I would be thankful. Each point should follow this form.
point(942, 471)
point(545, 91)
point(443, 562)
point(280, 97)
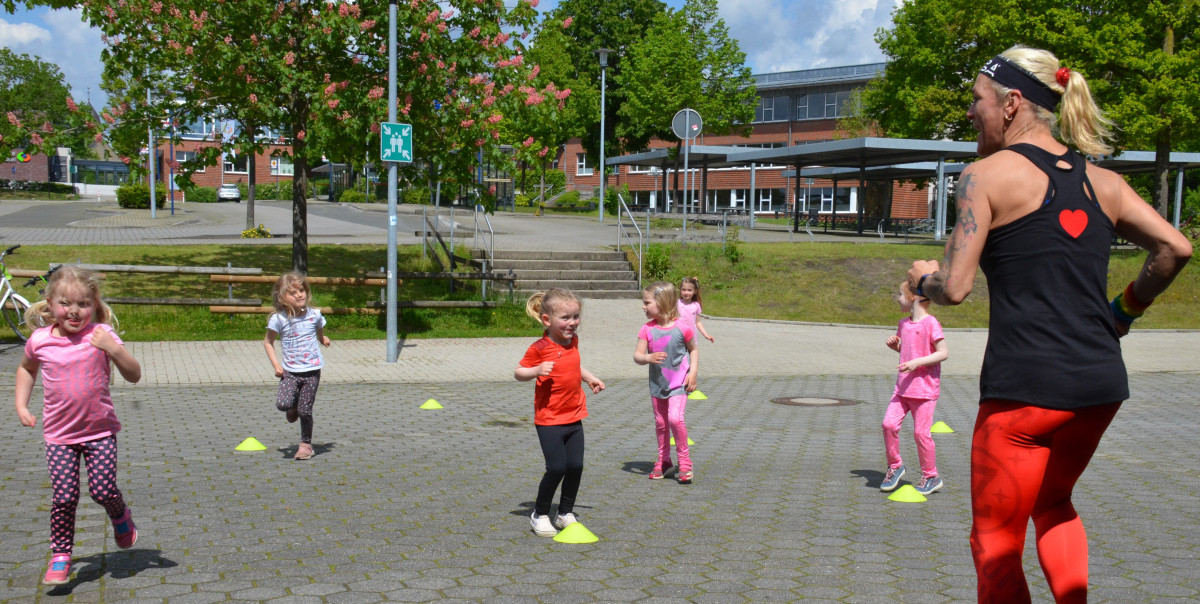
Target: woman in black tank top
point(1039, 220)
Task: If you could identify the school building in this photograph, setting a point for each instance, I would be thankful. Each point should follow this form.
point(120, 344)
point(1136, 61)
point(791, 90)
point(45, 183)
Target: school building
point(793, 108)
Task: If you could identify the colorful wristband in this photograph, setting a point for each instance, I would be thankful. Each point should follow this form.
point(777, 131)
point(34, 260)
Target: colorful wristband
point(1120, 315)
point(1131, 301)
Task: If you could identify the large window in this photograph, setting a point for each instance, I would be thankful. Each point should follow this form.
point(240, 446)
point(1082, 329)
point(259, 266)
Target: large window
point(821, 105)
point(772, 109)
point(236, 164)
point(188, 157)
point(198, 129)
point(281, 165)
point(581, 166)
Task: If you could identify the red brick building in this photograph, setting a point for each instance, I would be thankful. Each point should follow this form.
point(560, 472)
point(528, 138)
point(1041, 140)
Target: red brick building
point(793, 108)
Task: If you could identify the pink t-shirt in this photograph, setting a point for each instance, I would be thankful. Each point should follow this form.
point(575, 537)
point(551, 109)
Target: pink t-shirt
point(77, 405)
point(688, 312)
point(918, 340)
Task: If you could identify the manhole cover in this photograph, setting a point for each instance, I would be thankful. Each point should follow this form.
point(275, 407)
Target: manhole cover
point(813, 401)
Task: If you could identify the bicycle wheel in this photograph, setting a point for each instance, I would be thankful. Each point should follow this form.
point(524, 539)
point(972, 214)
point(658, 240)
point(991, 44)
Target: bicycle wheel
point(14, 314)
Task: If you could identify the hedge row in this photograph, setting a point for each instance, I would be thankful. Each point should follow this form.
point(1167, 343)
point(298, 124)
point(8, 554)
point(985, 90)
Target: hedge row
point(42, 187)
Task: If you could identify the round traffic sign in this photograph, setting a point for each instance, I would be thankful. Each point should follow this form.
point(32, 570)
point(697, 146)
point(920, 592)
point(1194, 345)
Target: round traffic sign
point(686, 124)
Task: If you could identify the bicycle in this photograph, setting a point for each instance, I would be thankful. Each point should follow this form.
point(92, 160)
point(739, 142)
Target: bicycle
point(12, 304)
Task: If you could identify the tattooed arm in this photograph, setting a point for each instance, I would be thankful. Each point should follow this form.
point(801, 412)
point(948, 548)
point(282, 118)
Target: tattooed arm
point(949, 284)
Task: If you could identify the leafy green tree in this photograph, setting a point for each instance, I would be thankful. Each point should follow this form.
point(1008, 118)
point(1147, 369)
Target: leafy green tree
point(687, 59)
point(316, 71)
point(1142, 60)
point(38, 113)
point(590, 25)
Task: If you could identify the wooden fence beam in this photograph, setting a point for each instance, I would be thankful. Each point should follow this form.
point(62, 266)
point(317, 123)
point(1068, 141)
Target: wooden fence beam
point(373, 282)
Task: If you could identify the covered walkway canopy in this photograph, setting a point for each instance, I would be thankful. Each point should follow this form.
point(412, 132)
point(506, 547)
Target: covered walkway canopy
point(872, 158)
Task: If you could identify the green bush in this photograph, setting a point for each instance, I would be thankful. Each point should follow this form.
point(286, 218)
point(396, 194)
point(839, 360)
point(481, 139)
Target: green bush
point(201, 195)
point(569, 199)
point(351, 196)
point(418, 195)
point(522, 200)
point(657, 262)
point(533, 177)
point(137, 196)
point(43, 187)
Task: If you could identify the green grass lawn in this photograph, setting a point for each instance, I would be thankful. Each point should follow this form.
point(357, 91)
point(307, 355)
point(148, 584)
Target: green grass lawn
point(817, 282)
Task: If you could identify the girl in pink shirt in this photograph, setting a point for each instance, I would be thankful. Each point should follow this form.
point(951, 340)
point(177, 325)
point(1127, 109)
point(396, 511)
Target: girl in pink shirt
point(689, 306)
point(72, 349)
point(922, 349)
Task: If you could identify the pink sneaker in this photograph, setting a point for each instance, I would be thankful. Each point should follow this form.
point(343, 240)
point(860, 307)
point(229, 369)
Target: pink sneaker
point(59, 571)
point(124, 530)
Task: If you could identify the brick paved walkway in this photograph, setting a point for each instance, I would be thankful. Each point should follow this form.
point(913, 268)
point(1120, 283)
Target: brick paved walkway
point(404, 504)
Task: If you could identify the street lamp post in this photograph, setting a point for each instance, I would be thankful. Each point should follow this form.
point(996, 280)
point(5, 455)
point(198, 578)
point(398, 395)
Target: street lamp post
point(603, 54)
point(150, 157)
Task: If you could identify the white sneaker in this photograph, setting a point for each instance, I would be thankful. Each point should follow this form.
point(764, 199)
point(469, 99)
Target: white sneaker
point(561, 522)
point(542, 527)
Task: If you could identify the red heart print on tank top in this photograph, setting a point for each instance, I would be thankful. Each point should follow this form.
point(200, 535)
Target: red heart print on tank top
point(1073, 222)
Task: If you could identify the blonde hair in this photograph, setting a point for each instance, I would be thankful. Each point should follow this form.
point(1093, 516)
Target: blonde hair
point(547, 301)
point(1080, 121)
point(667, 299)
point(284, 283)
point(695, 283)
point(41, 313)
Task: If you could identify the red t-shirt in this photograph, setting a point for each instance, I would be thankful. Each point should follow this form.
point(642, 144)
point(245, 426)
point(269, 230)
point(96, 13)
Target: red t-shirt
point(558, 398)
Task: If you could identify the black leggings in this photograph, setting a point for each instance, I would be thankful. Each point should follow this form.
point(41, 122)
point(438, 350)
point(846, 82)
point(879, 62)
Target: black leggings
point(563, 448)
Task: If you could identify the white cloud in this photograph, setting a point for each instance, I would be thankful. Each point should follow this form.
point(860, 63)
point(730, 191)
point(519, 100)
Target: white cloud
point(787, 35)
point(15, 35)
point(64, 39)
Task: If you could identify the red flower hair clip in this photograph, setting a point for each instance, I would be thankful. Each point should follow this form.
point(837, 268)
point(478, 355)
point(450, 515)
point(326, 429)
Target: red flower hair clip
point(1063, 75)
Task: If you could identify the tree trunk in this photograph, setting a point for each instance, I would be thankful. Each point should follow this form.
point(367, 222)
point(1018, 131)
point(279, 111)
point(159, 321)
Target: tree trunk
point(1162, 147)
point(1162, 172)
point(250, 187)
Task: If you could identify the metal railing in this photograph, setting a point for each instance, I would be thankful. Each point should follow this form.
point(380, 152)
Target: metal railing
point(640, 248)
point(488, 236)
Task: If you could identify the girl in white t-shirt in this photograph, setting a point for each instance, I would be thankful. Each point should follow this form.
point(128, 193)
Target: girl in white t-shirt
point(72, 349)
point(299, 328)
point(689, 305)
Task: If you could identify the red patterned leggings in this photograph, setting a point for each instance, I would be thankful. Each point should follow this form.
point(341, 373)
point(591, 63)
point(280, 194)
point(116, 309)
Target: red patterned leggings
point(1025, 461)
point(100, 456)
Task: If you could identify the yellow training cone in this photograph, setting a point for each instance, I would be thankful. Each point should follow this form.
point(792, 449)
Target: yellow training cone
point(696, 395)
point(907, 494)
point(576, 533)
point(431, 404)
point(690, 441)
point(940, 428)
point(251, 444)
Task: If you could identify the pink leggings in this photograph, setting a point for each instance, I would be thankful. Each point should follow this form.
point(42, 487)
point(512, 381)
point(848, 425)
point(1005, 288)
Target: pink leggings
point(668, 420)
point(1024, 463)
point(893, 418)
point(63, 462)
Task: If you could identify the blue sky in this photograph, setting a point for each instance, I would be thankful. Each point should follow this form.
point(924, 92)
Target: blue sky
point(776, 35)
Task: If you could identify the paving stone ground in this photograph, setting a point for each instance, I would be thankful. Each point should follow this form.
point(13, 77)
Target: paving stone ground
point(404, 504)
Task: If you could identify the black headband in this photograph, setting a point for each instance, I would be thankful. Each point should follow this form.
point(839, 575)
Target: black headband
point(1010, 75)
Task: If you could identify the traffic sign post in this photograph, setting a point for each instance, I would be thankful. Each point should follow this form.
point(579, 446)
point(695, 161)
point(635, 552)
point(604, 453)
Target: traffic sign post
point(395, 142)
point(686, 125)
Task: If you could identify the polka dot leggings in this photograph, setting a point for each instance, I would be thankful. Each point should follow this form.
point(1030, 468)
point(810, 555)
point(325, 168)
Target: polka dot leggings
point(300, 390)
point(100, 456)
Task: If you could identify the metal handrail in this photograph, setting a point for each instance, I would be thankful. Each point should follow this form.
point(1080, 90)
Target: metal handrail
point(489, 236)
point(641, 242)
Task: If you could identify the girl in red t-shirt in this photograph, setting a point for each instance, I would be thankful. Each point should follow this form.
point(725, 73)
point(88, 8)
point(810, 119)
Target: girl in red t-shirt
point(559, 404)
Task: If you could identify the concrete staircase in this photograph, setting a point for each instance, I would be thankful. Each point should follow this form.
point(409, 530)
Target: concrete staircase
point(587, 274)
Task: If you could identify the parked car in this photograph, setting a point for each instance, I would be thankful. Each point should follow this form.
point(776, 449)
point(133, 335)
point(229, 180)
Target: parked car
point(229, 192)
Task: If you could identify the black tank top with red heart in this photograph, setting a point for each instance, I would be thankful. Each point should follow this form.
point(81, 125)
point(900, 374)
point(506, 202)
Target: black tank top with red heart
point(1051, 339)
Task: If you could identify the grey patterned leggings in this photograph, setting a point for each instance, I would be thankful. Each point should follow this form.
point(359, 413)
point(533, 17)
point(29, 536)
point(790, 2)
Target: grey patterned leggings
point(63, 462)
point(300, 390)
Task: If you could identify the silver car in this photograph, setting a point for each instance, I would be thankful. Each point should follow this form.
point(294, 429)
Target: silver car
point(229, 192)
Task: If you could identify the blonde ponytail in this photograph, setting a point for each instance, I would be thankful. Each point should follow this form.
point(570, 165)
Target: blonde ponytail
point(1079, 122)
